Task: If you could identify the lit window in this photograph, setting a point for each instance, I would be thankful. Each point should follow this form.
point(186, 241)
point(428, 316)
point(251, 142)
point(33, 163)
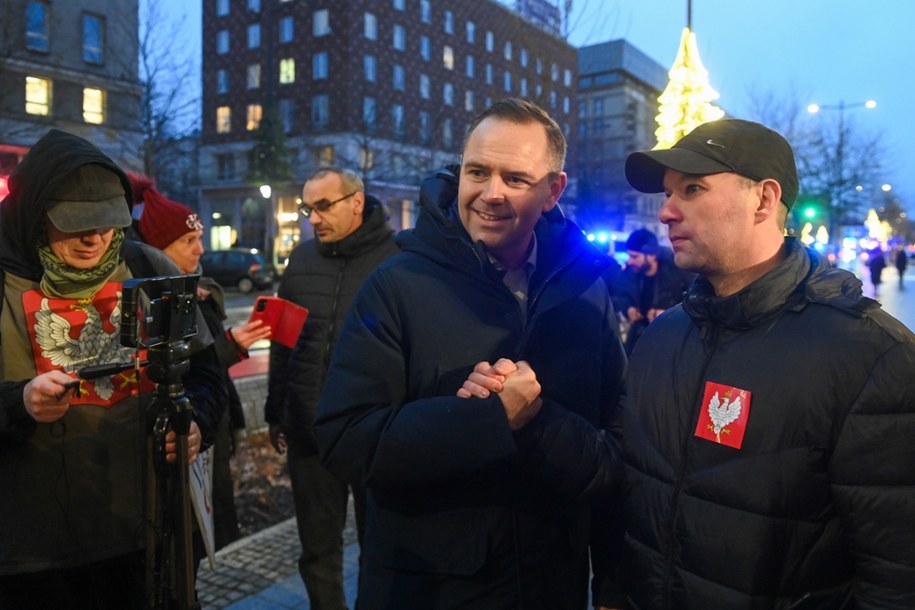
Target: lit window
point(37, 95)
point(93, 39)
point(36, 26)
point(287, 114)
point(320, 111)
point(287, 29)
point(448, 94)
point(370, 67)
point(254, 35)
point(490, 42)
point(255, 114)
point(399, 78)
point(93, 105)
point(369, 116)
point(366, 158)
point(471, 32)
point(448, 58)
point(449, 22)
point(319, 66)
point(424, 86)
point(425, 11)
point(222, 81)
point(254, 6)
point(287, 70)
point(397, 119)
point(370, 28)
point(223, 119)
point(425, 48)
point(469, 63)
point(321, 24)
point(468, 101)
point(222, 8)
point(400, 38)
point(222, 42)
point(254, 76)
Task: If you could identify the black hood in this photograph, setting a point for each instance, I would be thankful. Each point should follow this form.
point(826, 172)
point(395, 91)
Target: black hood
point(53, 157)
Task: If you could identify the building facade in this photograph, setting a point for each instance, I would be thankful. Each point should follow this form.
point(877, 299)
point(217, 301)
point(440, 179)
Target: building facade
point(618, 89)
point(70, 65)
point(384, 87)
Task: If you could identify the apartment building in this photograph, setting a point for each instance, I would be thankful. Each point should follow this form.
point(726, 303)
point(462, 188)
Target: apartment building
point(384, 87)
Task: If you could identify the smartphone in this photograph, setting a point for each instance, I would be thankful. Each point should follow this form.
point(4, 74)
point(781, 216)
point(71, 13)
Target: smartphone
point(284, 318)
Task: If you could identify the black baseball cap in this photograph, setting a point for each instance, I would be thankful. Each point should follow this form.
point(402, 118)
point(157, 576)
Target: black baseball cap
point(725, 145)
point(90, 197)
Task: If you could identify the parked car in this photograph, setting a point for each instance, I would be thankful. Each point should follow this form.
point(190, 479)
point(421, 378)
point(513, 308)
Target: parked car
point(243, 268)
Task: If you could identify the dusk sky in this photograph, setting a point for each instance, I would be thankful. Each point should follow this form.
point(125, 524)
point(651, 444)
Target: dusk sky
point(824, 51)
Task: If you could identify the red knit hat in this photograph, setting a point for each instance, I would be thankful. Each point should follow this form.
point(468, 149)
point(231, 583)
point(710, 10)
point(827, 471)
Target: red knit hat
point(163, 221)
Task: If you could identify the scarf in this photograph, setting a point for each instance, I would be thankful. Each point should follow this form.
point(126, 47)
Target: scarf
point(62, 281)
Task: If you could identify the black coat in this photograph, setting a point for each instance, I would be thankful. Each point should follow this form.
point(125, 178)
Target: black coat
point(447, 494)
point(324, 278)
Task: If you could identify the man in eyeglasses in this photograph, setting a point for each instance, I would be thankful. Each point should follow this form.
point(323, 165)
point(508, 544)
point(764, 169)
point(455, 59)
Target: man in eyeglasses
point(352, 236)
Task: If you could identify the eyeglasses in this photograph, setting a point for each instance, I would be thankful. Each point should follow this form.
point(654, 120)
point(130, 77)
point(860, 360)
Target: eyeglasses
point(321, 205)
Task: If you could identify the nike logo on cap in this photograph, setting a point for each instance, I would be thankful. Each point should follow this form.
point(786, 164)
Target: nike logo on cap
point(711, 142)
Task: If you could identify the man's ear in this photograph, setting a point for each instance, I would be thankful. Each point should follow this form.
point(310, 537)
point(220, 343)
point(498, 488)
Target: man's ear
point(770, 195)
point(359, 198)
point(558, 182)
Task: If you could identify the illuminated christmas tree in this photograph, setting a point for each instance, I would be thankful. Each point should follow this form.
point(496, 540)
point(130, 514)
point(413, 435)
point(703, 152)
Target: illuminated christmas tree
point(687, 100)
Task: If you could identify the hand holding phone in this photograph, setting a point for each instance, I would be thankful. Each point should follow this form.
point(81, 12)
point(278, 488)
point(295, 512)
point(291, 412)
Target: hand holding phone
point(285, 318)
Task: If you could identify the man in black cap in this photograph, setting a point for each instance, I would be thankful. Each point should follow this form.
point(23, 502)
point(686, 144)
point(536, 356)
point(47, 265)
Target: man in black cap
point(768, 421)
point(649, 284)
point(73, 451)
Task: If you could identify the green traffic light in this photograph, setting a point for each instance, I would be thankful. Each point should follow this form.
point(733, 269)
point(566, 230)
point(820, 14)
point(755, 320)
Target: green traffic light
point(809, 212)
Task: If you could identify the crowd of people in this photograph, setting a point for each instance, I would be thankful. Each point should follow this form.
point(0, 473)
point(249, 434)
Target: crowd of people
point(725, 422)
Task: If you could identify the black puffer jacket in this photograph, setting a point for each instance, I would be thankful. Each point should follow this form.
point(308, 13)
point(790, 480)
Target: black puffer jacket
point(324, 278)
point(446, 495)
point(816, 508)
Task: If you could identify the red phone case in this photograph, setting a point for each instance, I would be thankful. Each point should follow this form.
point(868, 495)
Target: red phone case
point(284, 318)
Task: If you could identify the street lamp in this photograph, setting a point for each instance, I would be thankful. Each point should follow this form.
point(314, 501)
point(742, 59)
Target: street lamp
point(269, 220)
point(837, 196)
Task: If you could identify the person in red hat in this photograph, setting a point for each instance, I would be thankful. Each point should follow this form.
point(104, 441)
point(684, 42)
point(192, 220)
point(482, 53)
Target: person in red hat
point(177, 230)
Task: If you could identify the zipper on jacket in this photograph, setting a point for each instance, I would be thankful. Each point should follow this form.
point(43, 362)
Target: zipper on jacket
point(708, 335)
point(333, 317)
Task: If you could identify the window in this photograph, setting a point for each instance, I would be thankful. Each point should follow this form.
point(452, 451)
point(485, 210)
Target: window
point(286, 109)
point(539, 66)
point(319, 66)
point(448, 94)
point(321, 25)
point(469, 63)
point(448, 58)
point(287, 70)
point(490, 42)
point(254, 6)
point(369, 113)
point(93, 39)
point(425, 11)
point(507, 51)
point(370, 67)
point(400, 38)
point(36, 26)
point(325, 155)
point(222, 81)
point(507, 81)
point(447, 133)
point(254, 35)
point(225, 166)
point(366, 158)
point(397, 119)
point(370, 27)
point(471, 32)
point(566, 104)
point(523, 58)
point(424, 86)
point(399, 77)
point(223, 119)
point(468, 101)
point(287, 29)
point(488, 74)
point(222, 42)
point(37, 95)
point(449, 22)
point(425, 48)
point(399, 5)
point(255, 114)
point(424, 129)
point(523, 86)
point(222, 8)
point(254, 76)
point(554, 72)
point(553, 100)
point(320, 111)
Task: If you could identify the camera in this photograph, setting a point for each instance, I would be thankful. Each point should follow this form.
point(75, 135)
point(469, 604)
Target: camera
point(167, 310)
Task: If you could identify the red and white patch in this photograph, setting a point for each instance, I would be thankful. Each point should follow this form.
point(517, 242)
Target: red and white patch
point(724, 414)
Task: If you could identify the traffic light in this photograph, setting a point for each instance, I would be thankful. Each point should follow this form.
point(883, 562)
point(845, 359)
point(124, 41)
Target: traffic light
point(808, 210)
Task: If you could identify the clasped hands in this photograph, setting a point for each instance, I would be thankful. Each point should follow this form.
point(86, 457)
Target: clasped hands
point(514, 382)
